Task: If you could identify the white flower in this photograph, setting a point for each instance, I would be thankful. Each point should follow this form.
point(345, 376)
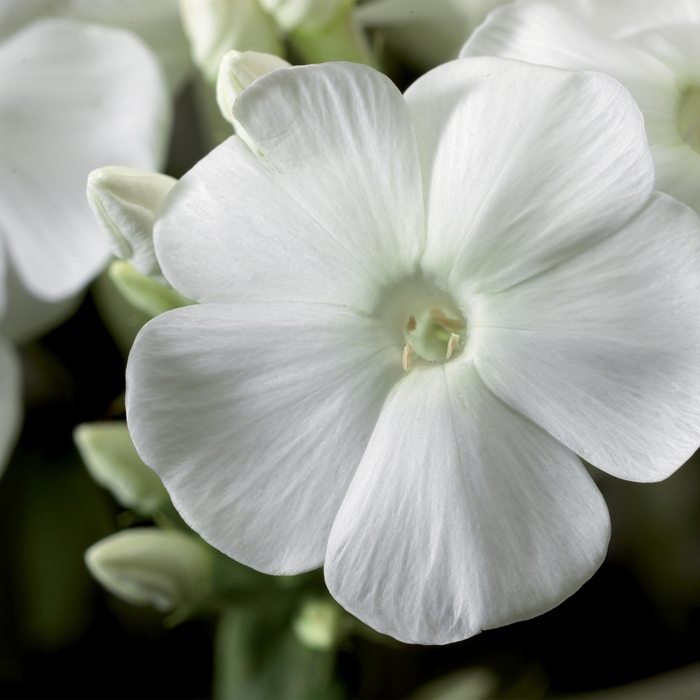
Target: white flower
point(425, 32)
point(414, 311)
point(72, 97)
point(652, 48)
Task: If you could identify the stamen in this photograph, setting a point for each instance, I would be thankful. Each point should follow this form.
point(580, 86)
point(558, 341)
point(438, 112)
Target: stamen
point(411, 324)
point(451, 345)
point(407, 355)
point(439, 317)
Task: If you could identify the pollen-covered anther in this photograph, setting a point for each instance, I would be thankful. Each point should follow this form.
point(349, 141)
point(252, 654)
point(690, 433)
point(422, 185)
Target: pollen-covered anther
point(451, 345)
point(411, 324)
point(407, 356)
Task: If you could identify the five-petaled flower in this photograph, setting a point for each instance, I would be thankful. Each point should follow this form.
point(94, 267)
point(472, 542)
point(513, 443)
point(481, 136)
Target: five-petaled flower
point(414, 312)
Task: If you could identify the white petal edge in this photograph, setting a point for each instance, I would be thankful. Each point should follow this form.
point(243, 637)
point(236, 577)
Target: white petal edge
point(255, 416)
point(462, 516)
point(603, 351)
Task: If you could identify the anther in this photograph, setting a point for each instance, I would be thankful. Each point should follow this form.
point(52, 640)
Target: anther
point(407, 356)
point(451, 345)
point(411, 324)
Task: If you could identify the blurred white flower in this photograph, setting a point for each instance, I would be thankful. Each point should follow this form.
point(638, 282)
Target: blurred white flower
point(651, 47)
point(72, 97)
point(147, 566)
point(414, 312)
point(425, 32)
point(157, 22)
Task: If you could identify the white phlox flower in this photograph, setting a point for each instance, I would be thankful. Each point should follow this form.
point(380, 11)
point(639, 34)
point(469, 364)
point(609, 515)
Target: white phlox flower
point(651, 47)
point(415, 311)
point(72, 97)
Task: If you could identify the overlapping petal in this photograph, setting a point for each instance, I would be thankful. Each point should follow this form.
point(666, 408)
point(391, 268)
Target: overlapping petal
point(338, 138)
point(72, 98)
point(256, 416)
point(339, 161)
point(511, 191)
point(462, 516)
point(602, 350)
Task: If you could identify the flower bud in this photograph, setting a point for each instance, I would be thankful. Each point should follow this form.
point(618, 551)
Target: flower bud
point(147, 566)
point(125, 202)
point(317, 625)
point(310, 15)
point(217, 26)
point(236, 72)
point(144, 293)
point(112, 460)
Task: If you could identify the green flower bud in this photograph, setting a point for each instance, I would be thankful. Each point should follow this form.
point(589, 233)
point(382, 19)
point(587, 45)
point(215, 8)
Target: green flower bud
point(217, 26)
point(310, 15)
point(147, 566)
point(143, 292)
point(112, 460)
point(125, 202)
point(237, 71)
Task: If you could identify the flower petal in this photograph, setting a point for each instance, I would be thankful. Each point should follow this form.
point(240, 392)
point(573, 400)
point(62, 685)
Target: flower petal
point(330, 213)
point(72, 98)
point(462, 516)
point(526, 165)
point(10, 399)
point(338, 138)
point(621, 17)
point(256, 416)
point(603, 350)
point(678, 172)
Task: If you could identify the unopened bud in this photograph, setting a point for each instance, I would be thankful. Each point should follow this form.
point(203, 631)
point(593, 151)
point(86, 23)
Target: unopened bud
point(237, 71)
point(112, 460)
point(217, 26)
point(125, 202)
point(317, 625)
point(147, 566)
point(310, 15)
point(143, 292)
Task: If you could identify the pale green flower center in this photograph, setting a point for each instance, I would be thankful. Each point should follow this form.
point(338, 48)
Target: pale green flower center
point(428, 323)
point(689, 117)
